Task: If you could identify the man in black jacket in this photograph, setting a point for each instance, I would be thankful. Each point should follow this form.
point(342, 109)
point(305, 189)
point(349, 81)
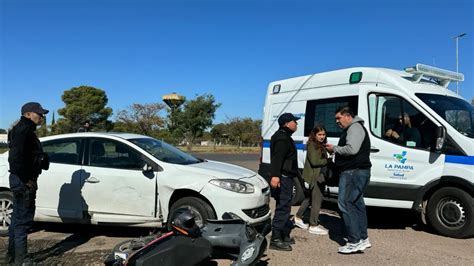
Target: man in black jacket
point(26, 159)
point(353, 162)
point(283, 167)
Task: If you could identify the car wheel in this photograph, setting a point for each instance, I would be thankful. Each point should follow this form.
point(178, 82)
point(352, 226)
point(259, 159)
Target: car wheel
point(450, 212)
point(200, 209)
point(6, 209)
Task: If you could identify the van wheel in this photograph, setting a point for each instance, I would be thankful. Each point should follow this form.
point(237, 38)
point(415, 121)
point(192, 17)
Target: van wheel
point(450, 212)
point(198, 207)
point(6, 210)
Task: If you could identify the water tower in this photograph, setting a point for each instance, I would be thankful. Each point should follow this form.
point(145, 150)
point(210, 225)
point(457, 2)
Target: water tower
point(173, 100)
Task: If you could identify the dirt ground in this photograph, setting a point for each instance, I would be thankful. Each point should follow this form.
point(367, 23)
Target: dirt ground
point(397, 237)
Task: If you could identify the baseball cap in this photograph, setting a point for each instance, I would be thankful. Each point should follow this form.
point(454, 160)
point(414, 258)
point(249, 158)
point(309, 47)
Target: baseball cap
point(285, 118)
point(33, 107)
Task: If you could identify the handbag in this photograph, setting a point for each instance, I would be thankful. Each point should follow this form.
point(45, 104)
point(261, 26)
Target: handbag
point(299, 191)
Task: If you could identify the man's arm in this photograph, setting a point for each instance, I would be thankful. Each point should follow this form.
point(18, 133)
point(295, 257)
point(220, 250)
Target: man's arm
point(355, 137)
point(16, 157)
point(280, 149)
point(278, 157)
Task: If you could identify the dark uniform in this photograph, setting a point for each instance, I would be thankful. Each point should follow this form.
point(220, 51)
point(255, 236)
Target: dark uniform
point(284, 164)
point(26, 159)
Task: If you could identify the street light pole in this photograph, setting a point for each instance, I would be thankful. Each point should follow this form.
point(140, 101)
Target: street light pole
point(457, 58)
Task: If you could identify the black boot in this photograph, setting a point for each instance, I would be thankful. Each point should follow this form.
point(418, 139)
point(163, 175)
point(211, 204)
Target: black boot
point(287, 238)
point(9, 258)
point(21, 256)
point(277, 242)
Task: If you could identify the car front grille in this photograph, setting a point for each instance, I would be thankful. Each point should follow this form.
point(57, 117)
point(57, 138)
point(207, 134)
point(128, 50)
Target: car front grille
point(257, 212)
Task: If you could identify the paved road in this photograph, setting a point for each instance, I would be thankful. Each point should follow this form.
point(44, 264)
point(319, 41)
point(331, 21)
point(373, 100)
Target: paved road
point(398, 237)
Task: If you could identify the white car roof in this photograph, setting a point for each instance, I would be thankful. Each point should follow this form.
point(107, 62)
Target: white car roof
point(96, 134)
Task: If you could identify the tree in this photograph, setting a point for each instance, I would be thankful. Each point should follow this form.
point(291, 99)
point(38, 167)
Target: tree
point(140, 118)
point(219, 132)
point(195, 117)
point(83, 103)
point(3, 131)
point(244, 130)
point(42, 131)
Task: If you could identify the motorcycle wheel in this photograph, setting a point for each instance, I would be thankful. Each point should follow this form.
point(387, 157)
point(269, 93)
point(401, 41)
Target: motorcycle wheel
point(130, 246)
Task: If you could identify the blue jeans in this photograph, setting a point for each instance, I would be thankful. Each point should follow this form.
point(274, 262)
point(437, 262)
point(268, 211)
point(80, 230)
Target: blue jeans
point(351, 203)
point(22, 218)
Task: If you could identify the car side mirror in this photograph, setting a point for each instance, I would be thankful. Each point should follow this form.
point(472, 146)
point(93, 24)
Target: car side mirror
point(439, 139)
point(147, 168)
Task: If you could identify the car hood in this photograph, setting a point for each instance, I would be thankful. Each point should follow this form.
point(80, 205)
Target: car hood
point(220, 170)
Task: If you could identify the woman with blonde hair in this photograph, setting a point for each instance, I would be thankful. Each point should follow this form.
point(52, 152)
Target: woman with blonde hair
point(316, 158)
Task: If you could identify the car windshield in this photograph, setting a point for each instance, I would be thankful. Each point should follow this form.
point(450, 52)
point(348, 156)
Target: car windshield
point(165, 152)
point(457, 112)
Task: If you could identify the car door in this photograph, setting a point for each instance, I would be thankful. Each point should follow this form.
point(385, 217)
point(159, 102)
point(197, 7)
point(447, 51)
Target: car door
point(400, 165)
point(115, 184)
point(59, 191)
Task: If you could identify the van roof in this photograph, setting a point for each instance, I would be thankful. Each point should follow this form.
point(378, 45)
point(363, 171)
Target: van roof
point(370, 75)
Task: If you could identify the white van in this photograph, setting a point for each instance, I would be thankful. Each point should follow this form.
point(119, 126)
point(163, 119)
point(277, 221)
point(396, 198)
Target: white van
point(433, 174)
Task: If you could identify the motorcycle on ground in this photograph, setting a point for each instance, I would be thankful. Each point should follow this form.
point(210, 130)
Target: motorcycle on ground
point(187, 244)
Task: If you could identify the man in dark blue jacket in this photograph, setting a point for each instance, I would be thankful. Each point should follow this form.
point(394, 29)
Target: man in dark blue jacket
point(26, 159)
point(283, 167)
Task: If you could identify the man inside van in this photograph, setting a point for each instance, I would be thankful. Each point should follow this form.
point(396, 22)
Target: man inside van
point(404, 133)
point(352, 159)
point(283, 167)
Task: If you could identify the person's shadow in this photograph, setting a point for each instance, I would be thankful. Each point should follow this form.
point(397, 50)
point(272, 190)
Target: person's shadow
point(71, 208)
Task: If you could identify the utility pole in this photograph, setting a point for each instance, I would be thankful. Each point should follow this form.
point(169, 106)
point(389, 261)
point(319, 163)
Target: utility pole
point(457, 57)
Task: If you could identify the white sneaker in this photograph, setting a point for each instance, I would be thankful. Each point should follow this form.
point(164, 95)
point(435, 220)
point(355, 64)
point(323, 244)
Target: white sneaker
point(350, 248)
point(317, 230)
point(299, 222)
point(364, 243)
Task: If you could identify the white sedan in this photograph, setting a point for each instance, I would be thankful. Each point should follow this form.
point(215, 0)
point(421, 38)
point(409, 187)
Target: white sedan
point(135, 180)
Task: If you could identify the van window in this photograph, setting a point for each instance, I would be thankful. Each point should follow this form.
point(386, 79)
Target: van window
point(395, 120)
point(457, 112)
point(321, 112)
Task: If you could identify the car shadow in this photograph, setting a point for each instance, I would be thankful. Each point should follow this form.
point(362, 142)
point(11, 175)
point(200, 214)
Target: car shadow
point(69, 243)
point(43, 250)
point(94, 230)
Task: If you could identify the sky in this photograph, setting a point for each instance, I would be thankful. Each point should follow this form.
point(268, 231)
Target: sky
point(138, 51)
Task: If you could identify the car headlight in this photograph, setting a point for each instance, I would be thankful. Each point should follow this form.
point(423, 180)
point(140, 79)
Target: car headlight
point(233, 185)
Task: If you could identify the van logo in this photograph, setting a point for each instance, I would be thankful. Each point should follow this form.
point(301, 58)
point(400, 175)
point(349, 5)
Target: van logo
point(401, 158)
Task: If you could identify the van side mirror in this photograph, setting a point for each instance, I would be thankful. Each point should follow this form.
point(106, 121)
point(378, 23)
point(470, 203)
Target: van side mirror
point(439, 139)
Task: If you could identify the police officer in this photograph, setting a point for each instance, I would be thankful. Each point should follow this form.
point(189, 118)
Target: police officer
point(283, 168)
point(26, 159)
